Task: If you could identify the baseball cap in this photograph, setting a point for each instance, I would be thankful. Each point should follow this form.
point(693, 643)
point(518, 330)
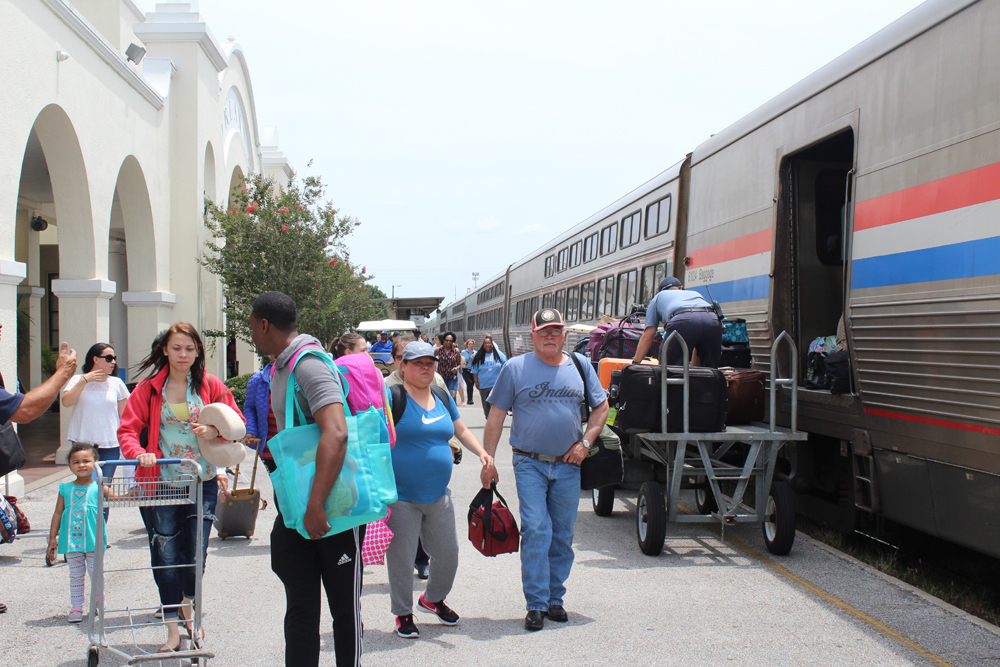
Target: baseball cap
point(385, 333)
point(669, 282)
point(547, 317)
point(417, 349)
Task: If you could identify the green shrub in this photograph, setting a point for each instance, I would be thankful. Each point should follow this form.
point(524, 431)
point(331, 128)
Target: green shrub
point(238, 385)
point(49, 359)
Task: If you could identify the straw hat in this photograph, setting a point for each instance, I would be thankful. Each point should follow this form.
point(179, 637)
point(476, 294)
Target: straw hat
point(226, 450)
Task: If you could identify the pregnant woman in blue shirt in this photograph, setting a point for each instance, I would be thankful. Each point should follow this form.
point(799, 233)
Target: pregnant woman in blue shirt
point(422, 463)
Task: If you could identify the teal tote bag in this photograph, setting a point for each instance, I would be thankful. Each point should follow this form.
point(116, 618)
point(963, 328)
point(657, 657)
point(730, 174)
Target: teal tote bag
point(365, 486)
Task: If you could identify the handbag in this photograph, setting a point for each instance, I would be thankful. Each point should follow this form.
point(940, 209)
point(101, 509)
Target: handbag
point(378, 535)
point(11, 452)
point(365, 485)
point(492, 528)
point(604, 465)
point(23, 525)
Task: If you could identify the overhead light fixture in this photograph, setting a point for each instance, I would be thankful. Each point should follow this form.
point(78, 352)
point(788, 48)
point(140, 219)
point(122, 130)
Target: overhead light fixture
point(134, 52)
point(39, 224)
point(62, 56)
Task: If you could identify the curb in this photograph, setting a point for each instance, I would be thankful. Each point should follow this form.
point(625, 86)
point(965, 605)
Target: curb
point(45, 481)
point(936, 601)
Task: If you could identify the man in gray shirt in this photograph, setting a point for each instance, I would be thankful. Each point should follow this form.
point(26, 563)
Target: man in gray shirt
point(304, 564)
point(546, 391)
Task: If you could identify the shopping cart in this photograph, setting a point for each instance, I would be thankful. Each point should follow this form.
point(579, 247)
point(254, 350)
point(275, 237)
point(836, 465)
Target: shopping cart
point(184, 489)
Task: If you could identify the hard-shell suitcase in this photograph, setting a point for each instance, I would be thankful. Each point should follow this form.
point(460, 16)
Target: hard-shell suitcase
point(736, 356)
point(639, 400)
point(746, 395)
point(609, 364)
point(236, 511)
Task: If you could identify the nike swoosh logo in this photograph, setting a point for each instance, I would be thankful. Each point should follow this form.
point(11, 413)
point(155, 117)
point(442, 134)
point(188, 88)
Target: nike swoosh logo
point(425, 420)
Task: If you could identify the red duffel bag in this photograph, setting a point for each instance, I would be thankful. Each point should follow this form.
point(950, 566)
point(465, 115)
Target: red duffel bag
point(492, 528)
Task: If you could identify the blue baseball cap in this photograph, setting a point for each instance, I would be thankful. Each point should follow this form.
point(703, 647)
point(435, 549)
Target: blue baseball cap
point(418, 349)
point(669, 282)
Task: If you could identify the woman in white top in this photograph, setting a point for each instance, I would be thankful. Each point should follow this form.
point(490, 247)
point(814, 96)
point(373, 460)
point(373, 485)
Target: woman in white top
point(98, 398)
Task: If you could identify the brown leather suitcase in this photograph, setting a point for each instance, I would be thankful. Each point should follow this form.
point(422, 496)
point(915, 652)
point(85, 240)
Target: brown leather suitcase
point(236, 510)
point(746, 395)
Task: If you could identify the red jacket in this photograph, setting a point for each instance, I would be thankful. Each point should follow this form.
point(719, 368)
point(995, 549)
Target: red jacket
point(143, 411)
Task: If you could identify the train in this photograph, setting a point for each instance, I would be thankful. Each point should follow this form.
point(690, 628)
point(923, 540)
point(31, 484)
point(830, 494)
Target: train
point(868, 191)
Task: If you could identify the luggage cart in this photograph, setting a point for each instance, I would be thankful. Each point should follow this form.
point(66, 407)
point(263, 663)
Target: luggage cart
point(186, 490)
point(698, 457)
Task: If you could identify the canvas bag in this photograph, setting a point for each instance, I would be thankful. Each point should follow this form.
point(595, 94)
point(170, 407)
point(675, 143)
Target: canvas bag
point(366, 484)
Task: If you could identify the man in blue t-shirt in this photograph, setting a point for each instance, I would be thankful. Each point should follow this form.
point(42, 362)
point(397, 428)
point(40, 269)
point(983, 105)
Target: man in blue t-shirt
point(688, 313)
point(546, 391)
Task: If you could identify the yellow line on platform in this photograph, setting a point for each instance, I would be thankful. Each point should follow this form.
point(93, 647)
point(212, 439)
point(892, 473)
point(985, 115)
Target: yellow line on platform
point(878, 625)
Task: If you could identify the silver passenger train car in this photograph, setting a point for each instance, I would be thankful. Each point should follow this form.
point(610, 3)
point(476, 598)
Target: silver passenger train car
point(869, 191)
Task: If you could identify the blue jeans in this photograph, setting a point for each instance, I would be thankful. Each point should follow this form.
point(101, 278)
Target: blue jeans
point(548, 495)
point(173, 538)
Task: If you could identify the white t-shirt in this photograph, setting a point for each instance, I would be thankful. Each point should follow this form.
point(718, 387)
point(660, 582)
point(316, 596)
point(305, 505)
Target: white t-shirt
point(95, 414)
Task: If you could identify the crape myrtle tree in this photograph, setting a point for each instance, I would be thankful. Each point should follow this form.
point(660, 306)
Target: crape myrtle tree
point(292, 241)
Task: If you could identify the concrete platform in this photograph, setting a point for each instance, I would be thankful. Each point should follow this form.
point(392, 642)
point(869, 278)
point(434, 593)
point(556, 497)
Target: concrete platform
point(705, 601)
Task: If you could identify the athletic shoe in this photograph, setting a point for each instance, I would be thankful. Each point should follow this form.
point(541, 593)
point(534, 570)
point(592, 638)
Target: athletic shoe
point(75, 616)
point(406, 628)
point(444, 613)
point(423, 571)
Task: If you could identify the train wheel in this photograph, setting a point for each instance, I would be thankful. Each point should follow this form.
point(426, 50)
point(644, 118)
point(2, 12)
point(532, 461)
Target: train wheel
point(779, 519)
point(651, 518)
point(604, 500)
point(704, 499)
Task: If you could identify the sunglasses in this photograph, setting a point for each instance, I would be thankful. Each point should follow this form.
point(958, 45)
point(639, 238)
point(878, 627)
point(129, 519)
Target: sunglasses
point(110, 358)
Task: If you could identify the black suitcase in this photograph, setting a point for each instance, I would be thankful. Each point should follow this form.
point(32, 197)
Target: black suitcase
point(736, 356)
point(639, 400)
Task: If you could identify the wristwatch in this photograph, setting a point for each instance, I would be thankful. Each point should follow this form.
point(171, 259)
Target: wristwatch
point(586, 443)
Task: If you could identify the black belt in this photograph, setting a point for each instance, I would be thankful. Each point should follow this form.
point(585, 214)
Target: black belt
point(699, 309)
point(544, 458)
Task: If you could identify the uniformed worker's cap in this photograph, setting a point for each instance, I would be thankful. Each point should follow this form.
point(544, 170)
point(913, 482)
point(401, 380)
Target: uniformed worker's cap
point(669, 282)
point(547, 317)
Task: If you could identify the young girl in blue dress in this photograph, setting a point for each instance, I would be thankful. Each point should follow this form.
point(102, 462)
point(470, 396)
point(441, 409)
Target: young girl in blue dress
point(74, 524)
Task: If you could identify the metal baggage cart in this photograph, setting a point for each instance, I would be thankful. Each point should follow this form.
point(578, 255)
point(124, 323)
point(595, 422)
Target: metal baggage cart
point(185, 489)
point(695, 460)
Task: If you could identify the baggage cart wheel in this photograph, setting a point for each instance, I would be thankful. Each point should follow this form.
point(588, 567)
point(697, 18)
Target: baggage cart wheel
point(604, 500)
point(704, 499)
point(93, 657)
point(651, 518)
point(779, 519)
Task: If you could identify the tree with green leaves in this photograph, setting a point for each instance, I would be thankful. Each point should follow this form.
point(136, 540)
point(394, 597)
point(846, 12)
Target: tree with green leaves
point(292, 241)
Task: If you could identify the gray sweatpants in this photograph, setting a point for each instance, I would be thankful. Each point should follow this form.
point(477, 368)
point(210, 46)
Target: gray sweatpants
point(434, 525)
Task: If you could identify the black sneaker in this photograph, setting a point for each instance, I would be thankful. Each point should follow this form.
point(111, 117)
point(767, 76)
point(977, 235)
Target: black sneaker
point(423, 571)
point(406, 628)
point(444, 613)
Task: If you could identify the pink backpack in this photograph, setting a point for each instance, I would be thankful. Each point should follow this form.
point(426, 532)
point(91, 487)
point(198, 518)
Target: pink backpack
point(366, 388)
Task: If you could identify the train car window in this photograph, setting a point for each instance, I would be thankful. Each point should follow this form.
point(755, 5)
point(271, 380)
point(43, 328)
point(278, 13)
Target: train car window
point(572, 304)
point(563, 261)
point(560, 304)
point(830, 212)
point(534, 307)
point(550, 265)
point(658, 217)
point(626, 292)
point(609, 239)
point(547, 300)
point(575, 254)
point(605, 296)
point(587, 301)
point(631, 229)
point(590, 247)
point(651, 277)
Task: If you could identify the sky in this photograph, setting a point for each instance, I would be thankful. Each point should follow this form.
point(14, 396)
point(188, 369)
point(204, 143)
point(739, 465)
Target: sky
point(466, 135)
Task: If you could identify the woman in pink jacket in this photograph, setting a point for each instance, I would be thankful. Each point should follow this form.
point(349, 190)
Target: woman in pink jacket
point(161, 421)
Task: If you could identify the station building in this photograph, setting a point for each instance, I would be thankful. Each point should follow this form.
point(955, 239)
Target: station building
point(116, 128)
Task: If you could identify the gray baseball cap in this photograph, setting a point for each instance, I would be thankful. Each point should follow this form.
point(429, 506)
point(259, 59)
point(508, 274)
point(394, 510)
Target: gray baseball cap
point(418, 349)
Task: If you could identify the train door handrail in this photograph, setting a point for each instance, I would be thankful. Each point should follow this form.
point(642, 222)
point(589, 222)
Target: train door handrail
point(792, 381)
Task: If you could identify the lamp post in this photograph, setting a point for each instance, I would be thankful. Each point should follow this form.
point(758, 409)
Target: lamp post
point(394, 290)
point(475, 278)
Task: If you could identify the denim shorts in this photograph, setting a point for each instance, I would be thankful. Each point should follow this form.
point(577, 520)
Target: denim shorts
point(452, 383)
